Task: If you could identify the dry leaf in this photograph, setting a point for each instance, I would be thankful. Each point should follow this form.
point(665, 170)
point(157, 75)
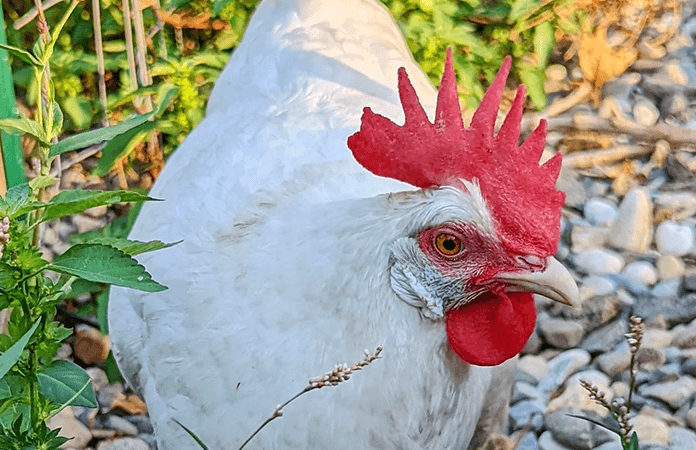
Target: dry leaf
point(131, 403)
point(199, 22)
point(91, 346)
point(599, 62)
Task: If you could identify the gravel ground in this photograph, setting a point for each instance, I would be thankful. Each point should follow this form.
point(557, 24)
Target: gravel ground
point(628, 236)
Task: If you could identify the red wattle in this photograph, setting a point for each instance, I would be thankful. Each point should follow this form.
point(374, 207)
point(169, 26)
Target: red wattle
point(491, 329)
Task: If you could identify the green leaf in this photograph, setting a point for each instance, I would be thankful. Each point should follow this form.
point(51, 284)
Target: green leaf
point(42, 181)
point(22, 54)
point(118, 147)
point(24, 126)
point(76, 201)
point(534, 79)
point(66, 383)
point(8, 278)
point(79, 110)
point(544, 42)
point(633, 444)
point(127, 246)
point(193, 435)
point(57, 121)
point(88, 138)
point(11, 356)
point(111, 369)
point(103, 311)
point(104, 264)
point(521, 8)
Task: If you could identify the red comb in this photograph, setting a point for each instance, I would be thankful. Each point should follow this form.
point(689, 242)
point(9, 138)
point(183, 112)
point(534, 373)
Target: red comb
point(520, 193)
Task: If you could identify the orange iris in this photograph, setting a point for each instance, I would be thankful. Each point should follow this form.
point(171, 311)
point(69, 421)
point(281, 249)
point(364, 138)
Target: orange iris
point(448, 244)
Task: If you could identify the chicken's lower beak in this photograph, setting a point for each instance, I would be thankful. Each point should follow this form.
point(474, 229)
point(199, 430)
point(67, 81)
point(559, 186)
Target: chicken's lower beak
point(554, 282)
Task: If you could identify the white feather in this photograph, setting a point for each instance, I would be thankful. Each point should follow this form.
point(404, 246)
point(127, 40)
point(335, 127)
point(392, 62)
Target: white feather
point(284, 266)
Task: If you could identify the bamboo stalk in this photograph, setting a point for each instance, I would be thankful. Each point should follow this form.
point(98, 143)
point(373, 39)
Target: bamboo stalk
point(99, 47)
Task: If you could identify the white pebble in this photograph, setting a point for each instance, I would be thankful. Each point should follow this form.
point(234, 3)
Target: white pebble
point(633, 227)
point(641, 271)
point(599, 211)
point(674, 238)
point(599, 261)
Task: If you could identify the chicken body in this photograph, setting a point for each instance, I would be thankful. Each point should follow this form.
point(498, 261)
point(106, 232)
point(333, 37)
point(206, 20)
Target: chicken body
point(287, 262)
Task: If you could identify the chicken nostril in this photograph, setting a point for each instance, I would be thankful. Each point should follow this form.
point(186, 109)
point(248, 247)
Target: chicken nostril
point(531, 261)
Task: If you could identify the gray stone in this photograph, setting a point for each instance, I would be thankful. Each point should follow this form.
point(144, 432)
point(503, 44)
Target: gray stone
point(547, 442)
point(690, 279)
point(569, 431)
point(691, 418)
point(674, 393)
point(673, 310)
point(633, 227)
point(616, 361)
point(614, 444)
point(673, 355)
point(684, 336)
point(641, 271)
point(669, 266)
point(142, 423)
point(120, 425)
point(527, 413)
point(561, 333)
point(682, 439)
point(563, 366)
point(569, 182)
point(673, 238)
point(535, 366)
point(667, 289)
point(599, 261)
point(606, 337)
point(649, 359)
point(128, 443)
point(599, 211)
point(528, 442)
point(533, 344)
point(633, 286)
point(645, 112)
point(688, 367)
point(524, 391)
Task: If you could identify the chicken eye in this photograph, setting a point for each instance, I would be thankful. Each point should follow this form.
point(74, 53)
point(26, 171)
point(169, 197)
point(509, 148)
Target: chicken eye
point(448, 244)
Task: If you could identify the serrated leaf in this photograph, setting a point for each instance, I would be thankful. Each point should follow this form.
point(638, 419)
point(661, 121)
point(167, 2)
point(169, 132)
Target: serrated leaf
point(127, 246)
point(76, 201)
point(11, 356)
point(105, 264)
point(88, 138)
point(544, 42)
point(24, 126)
point(42, 181)
point(7, 277)
point(62, 380)
point(22, 54)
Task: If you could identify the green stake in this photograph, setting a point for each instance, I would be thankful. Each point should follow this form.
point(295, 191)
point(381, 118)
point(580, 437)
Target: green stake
point(11, 145)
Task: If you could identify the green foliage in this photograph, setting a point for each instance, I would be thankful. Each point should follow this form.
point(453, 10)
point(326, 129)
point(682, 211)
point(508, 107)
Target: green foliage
point(481, 34)
point(34, 387)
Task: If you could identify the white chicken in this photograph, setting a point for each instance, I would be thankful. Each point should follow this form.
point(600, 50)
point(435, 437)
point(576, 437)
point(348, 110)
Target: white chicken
point(295, 257)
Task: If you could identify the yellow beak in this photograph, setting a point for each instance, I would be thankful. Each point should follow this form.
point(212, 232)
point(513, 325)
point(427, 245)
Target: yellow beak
point(554, 282)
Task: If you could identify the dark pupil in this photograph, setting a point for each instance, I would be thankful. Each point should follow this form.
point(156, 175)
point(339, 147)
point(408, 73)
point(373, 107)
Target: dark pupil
point(449, 245)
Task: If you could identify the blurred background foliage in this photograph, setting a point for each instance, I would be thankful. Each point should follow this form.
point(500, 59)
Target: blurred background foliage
point(189, 42)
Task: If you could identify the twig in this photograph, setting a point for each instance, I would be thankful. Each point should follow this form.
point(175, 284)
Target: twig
point(128, 31)
point(592, 122)
point(99, 47)
point(84, 154)
point(593, 158)
point(160, 25)
point(340, 374)
point(28, 17)
point(576, 97)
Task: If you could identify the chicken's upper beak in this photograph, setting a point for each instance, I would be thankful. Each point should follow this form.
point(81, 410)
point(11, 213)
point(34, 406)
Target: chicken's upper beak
point(554, 282)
